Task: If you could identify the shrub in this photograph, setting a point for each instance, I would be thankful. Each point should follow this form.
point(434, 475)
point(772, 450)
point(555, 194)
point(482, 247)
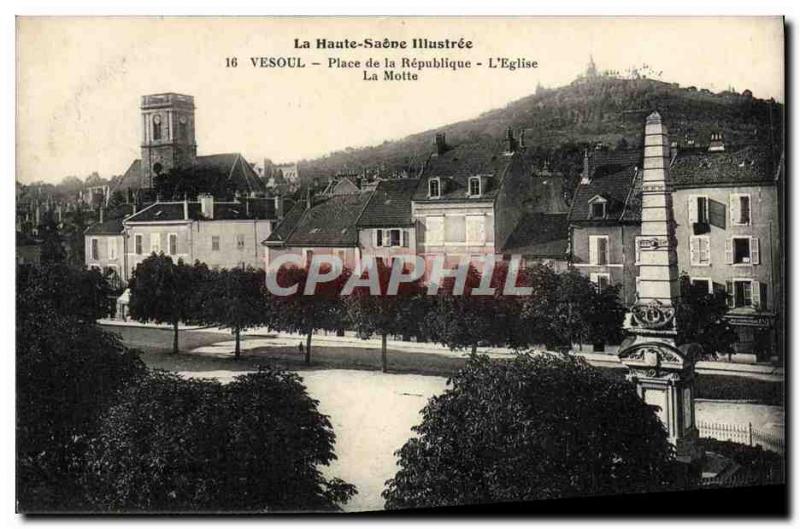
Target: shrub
point(180, 445)
point(536, 427)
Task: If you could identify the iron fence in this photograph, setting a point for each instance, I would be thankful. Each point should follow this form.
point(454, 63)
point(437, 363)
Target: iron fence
point(742, 433)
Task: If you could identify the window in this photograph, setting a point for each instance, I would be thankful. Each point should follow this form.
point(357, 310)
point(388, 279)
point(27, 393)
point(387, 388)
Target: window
point(601, 280)
point(740, 209)
point(434, 230)
point(598, 210)
point(173, 243)
point(700, 250)
point(240, 242)
point(476, 232)
point(156, 127)
point(434, 190)
point(138, 243)
point(112, 248)
point(702, 285)
point(598, 249)
point(394, 237)
point(474, 186)
point(698, 209)
point(95, 249)
point(744, 293)
point(455, 229)
point(215, 243)
point(390, 238)
point(742, 250)
point(155, 243)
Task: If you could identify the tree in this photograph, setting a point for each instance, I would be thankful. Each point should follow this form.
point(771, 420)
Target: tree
point(81, 294)
point(234, 299)
point(471, 319)
point(385, 314)
point(306, 314)
point(532, 428)
point(165, 292)
point(177, 445)
point(700, 319)
point(567, 309)
point(68, 371)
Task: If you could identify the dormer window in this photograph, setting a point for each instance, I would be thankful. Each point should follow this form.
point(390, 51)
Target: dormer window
point(598, 207)
point(474, 186)
point(434, 188)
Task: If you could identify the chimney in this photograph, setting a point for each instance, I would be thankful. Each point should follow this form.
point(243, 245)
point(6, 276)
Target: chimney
point(716, 144)
point(278, 207)
point(206, 205)
point(185, 209)
point(441, 143)
point(585, 174)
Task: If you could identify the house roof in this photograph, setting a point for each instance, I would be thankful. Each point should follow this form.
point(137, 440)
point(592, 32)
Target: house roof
point(112, 225)
point(457, 164)
point(544, 235)
point(390, 204)
point(618, 188)
point(749, 164)
point(108, 227)
point(247, 209)
point(228, 166)
point(331, 222)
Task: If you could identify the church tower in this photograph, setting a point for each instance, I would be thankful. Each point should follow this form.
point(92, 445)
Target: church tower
point(168, 139)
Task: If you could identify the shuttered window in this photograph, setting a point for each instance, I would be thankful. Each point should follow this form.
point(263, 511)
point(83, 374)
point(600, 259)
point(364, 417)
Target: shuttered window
point(598, 249)
point(740, 209)
point(476, 230)
point(700, 250)
point(434, 230)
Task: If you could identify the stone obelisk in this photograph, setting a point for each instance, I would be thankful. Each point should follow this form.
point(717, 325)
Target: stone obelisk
point(662, 371)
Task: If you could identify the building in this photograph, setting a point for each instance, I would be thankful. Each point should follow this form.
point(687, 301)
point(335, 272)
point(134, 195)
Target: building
point(320, 226)
point(168, 142)
point(219, 234)
point(725, 200)
point(542, 232)
point(468, 201)
point(386, 227)
point(605, 219)
point(105, 244)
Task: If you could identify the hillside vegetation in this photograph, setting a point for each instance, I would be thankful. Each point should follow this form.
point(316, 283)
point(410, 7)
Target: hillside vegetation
point(559, 123)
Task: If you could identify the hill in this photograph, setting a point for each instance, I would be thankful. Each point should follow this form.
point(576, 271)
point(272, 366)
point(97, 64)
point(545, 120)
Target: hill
point(559, 123)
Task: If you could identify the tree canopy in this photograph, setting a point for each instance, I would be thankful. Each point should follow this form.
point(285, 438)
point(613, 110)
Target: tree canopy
point(178, 445)
point(531, 428)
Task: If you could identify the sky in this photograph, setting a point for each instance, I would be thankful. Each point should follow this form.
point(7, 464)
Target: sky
point(80, 79)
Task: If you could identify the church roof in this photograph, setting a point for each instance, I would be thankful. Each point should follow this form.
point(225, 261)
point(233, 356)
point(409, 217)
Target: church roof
point(228, 166)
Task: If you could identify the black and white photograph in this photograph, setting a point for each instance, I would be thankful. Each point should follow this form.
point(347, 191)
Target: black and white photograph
point(399, 265)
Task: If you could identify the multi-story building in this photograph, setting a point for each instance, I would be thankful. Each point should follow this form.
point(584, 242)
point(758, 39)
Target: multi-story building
point(605, 219)
point(105, 244)
point(727, 225)
point(219, 234)
point(725, 203)
point(386, 227)
point(470, 202)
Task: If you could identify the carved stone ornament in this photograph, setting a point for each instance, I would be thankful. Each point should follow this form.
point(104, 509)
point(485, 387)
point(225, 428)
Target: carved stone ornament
point(653, 315)
point(651, 356)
